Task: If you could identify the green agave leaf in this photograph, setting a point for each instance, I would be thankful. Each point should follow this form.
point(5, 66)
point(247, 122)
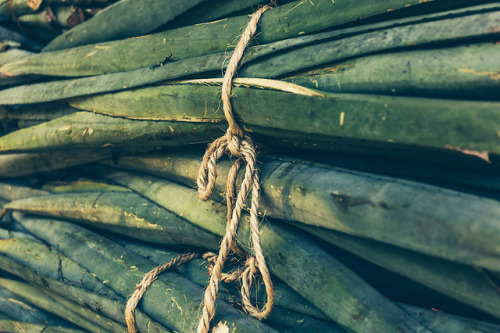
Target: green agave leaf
point(126, 18)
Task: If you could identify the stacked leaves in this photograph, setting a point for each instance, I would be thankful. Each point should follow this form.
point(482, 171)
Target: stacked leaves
point(378, 125)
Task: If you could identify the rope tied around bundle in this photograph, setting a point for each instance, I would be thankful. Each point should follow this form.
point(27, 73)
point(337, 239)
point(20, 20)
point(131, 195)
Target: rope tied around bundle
point(239, 145)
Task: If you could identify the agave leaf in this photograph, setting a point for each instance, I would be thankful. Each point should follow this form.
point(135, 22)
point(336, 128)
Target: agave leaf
point(123, 19)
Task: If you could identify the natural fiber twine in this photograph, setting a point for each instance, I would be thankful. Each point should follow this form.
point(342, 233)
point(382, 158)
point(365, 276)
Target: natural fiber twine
point(239, 145)
point(149, 278)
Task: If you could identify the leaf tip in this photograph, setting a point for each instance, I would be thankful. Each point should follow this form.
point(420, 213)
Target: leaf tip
point(482, 155)
point(4, 73)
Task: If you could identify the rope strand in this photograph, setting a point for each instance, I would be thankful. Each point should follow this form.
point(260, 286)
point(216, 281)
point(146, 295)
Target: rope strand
point(149, 278)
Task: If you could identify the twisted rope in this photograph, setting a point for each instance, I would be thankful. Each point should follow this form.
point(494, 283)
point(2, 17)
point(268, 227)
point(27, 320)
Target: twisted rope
point(237, 144)
point(149, 278)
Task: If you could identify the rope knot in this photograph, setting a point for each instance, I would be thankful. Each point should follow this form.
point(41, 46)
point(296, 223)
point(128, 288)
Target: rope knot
point(233, 144)
point(251, 265)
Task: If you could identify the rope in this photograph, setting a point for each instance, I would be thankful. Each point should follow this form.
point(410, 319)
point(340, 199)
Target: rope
point(236, 143)
point(141, 288)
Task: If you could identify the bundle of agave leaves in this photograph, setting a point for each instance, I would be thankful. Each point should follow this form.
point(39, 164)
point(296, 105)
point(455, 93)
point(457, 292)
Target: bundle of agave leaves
point(378, 132)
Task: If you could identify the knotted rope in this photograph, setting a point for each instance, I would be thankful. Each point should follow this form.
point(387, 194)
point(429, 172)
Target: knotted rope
point(237, 144)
